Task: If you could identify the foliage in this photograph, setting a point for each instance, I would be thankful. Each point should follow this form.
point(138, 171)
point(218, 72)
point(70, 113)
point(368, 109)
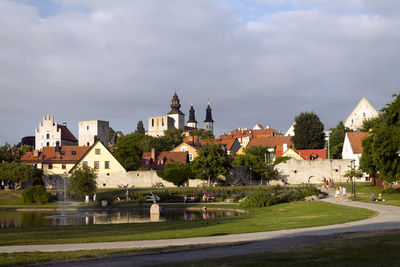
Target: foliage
point(309, 132)
point(128, 151)
point(381, 150)
point(279, 160)
point(36, 194)
point(336, 140)
point(82, 182)
point(176, 173)
point(10, 153)
point(212, 161)
point(18, 173)
point(258, 199)
point(172, 138)
point(202, 134)
point(369, 124)
point(140, 128)
point(353, 172)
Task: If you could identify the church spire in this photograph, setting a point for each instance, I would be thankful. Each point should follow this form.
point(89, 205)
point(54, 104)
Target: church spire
point(175, 105)
point(208, 114)
point(192, 120)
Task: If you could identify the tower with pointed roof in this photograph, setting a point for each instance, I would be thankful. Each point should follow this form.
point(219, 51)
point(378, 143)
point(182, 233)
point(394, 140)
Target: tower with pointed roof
point(176, 114)
point(363, 111)
point(192, 120)
point(208, 122)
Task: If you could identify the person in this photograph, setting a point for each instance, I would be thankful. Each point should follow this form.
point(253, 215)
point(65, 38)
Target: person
point(372, 198)
point(86, 199)
point(337, 194)
point(344, 194)
point(185, 199)
point(94, 198)
point(127, 194)
point(332, 184)
point(380, 198)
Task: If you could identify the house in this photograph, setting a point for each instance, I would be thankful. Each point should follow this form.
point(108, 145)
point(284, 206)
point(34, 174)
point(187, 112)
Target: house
point(190, 148)
point(56, 160)
point(157, 160)
point(363, 111)
point(304, 154)
point(279, 143)
point(231, 145)
point(51, 133)
point(352, 146)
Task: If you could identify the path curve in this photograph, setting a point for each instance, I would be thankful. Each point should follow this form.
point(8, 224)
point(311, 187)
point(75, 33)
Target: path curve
point(388, 218)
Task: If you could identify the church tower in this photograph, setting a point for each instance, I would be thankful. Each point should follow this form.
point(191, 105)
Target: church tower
point(176, 114)
point(208, 122)
point(192, 121)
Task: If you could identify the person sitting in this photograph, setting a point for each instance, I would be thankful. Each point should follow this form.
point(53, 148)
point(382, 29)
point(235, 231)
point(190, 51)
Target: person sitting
point(380, 198)
point(372, 198)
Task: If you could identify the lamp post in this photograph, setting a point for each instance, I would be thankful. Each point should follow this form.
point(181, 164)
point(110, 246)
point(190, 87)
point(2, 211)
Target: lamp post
point(250, 176)
point(353, 188)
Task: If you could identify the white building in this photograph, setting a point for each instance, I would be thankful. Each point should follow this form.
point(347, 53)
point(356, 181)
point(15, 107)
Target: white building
point(88, 130)
point(51, 133)
point(352, 147)
point(363, 111)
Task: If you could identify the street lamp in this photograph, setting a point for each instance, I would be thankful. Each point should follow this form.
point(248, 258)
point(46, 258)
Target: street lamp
point(353, 188)
point(250, 176)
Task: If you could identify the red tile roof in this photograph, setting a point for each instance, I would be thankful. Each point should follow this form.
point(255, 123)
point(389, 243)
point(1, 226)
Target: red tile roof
point(307, 154)
point(67, 154)
point(162, 158)
point(66, 134)
point(253, 133)
point(272, 141)
point(355, 139)
point(228, 143)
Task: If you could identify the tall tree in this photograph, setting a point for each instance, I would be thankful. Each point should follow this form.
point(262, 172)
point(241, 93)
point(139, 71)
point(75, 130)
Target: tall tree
point(128, 151)
point(202, 134)
point(176, 173)
point(140, 128)
point(336, 140)
point(211, 162)
point(15, 173)
point(381, 150)
point(171, 138)
point(308, 131)
point(82, 182)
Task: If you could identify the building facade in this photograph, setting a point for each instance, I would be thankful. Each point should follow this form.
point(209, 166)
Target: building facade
point(90, 130)
point(363, 111)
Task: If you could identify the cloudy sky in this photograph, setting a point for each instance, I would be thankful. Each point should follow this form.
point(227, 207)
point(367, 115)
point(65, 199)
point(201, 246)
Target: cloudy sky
point(259, 61)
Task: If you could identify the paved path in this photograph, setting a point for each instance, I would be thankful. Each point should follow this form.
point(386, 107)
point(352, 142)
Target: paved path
point(388, 218)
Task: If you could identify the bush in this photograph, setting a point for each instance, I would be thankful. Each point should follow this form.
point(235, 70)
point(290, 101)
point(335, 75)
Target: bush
point(258, 199)
point(391, 190)
point(82, 182)
point(36, 194)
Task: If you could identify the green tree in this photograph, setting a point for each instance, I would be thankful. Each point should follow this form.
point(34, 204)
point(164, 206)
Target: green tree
point(15, 173)
point(171, 139)
point(128, 151)
point(140, 128)
point(176, 173)
point(211, 162)
point(369, 124)
point(202, 134)
point(82, 182)
point(9, 153)
point(308, 132)
point(383, 144)
point(336, 140)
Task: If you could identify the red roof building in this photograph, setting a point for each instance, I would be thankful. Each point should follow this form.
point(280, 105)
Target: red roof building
point(157, 160)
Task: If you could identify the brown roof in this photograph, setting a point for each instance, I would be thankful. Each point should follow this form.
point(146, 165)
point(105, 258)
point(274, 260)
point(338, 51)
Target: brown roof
point(306, 154)
point(228, 143)
point(355, 139)
point(66, 134)
point(255, 133)
point(67, 154)
point(272, 141)
point(164, 158)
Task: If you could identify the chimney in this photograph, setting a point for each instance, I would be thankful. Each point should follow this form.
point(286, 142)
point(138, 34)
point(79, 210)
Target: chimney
point(153, 154)
point(65, 124)
point(284, 147)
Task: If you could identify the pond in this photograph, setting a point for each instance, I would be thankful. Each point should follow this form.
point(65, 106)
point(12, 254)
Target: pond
point(19, 219)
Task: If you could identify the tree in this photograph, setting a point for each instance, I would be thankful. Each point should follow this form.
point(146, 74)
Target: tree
point(336, 140)
point(383, 144)
point(369, 124)
point(82, 182)
point(15, 173)
point(202, 134)
point(171, 139)
point(308, 132)
point(211, 162)
point(128, 151)
point(10, 153)
point(140, 128)
point(176, 173)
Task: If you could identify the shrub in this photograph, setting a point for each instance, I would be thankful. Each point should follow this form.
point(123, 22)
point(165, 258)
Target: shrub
point(391, 190)
point(258, 199)
point(36, 194)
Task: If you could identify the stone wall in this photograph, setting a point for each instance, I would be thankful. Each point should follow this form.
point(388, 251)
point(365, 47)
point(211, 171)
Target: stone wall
point(298, 171)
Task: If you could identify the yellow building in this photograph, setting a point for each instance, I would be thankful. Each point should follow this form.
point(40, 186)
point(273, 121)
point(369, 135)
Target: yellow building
point(191, 149)
point(292, 154)
point(242, 149)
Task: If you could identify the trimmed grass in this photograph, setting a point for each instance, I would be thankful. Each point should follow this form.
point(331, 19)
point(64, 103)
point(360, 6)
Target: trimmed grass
point(283, 216)
point(380, 248)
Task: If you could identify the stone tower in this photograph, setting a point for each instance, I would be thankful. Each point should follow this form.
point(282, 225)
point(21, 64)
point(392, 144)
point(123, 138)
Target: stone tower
point(363, 111)
point(176, 114)
point(192, 120)
point(208, 122)
point(89, 130)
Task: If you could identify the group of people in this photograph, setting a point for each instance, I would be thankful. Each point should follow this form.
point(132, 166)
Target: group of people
point(328, 184)
point(341, 193)
point(372, 198)
point(87, 199)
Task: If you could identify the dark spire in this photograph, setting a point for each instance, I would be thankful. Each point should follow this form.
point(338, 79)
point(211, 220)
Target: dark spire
point(175, 105)
point(208, 114)
point(191, 115)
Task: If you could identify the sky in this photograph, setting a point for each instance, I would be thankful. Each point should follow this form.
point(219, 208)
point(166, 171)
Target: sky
point(255, 61)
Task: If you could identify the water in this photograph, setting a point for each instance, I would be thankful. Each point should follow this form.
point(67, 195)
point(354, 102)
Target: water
point(13, 219)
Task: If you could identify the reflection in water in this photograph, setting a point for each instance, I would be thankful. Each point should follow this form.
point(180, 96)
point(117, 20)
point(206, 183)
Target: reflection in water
point(38, 218)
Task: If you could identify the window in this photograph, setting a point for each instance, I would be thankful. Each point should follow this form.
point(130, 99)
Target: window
point(73, 152)
point(62, 152)
point(84, 164)
point(87, 127)
point(190, 156)
point(63, 166)
point(184, 149)
point(106, 164)
point(104, 129)
point(87, 143)
point(364, 114)
point(96, 165)
point(162, 121)
point(50, 166)
point(147, 162)
point(152, 122)
point(48, 136)
point(48, 144)
point(97, 151)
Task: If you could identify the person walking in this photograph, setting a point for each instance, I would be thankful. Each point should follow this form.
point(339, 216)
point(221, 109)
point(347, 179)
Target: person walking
point(344, 194)
point(94, 198)
point(337, 194)
point(87, 200)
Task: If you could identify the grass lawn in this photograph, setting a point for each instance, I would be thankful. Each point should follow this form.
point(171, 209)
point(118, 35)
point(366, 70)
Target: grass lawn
point(283, 216)
point(380, 248)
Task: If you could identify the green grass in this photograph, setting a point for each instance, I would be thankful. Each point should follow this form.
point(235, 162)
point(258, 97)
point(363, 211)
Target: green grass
point(380, 248)
point(283, 216)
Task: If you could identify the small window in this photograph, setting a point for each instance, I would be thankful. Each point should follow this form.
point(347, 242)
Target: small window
point(62, 152)
point(146, 162)
point(87, 127)
point(364, 114)
point(96, 165)
point(63, 166)
point(50, 166)
point(190, 156)
point(47, 136)
point(104, 185)
point(97, 151)
point(152, 122)
point(84, 164)
point(184, 149)
point(73, 152)
point(87, 143)
point(48, 144)
point(106, 164)
point(104, 128)
point(108, 174)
